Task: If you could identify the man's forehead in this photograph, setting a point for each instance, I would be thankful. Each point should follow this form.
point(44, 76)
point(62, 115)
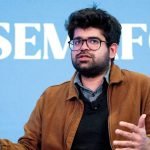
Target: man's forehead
point(88, 32)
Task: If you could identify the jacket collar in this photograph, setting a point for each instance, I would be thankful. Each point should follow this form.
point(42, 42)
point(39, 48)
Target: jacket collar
point(114, 77)
point(73, 92)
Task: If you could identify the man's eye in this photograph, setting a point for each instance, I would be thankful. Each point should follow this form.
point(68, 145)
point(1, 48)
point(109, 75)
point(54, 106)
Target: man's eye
point(76, 42)
point(94, 41)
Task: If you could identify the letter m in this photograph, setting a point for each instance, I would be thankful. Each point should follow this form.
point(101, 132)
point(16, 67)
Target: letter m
point(51, 39)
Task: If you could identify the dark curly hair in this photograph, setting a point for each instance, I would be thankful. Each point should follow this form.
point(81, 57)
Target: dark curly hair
point(97, 18)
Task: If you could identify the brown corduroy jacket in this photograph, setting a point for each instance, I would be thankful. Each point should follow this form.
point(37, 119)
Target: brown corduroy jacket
point(55, 119)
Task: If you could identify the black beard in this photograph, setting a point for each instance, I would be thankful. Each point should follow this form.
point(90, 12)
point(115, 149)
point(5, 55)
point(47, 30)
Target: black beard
point(94, 70)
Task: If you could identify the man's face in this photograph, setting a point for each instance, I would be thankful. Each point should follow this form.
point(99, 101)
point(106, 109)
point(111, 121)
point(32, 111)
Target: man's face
point(87, 62)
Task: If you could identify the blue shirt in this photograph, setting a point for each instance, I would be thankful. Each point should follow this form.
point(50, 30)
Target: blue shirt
point(89, 94)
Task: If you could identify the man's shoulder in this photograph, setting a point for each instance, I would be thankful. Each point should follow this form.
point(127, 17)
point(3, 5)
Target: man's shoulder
point(135, 78)
point(59, 86)
point(129, 75)
point(134, 74)
point(57, 92)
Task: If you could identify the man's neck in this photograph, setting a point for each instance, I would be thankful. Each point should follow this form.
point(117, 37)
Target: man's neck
point(92, 83)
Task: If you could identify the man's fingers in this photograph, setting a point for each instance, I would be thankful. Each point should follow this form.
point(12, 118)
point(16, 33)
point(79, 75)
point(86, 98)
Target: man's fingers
point(135, 136)
point(130, 136)
point(130, 126)
point(124, 149)
point(141, 123)
point(130, 144)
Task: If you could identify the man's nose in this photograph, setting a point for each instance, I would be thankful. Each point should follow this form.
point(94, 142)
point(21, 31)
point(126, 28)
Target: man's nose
point(84, 46)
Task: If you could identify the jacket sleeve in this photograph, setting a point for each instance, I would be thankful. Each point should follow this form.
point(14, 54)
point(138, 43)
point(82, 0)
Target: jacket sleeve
point(8, 145)
point(32, 137)
point(146, 108)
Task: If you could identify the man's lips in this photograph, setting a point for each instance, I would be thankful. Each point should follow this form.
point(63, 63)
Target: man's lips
point(83, 57)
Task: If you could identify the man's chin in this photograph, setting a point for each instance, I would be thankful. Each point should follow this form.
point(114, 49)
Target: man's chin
point(90, 72)
point(84, 66)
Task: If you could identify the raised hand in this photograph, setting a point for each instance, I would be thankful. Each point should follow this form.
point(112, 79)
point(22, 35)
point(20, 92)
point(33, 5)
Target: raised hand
point(136, 139)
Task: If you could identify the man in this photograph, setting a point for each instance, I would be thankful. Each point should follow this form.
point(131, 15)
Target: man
point(102, 107)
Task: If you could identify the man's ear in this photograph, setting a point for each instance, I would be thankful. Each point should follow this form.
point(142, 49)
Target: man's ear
point(113, 50)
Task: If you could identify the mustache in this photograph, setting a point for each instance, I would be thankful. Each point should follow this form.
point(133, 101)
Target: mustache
point(84, 54)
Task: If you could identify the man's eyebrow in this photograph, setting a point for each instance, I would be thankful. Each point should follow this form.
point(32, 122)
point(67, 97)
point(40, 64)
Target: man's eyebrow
point(90, 37)
point(93, 37)
point(78, 37)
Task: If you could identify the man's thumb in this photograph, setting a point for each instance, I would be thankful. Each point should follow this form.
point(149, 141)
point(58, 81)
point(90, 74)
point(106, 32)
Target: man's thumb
point(141, 123)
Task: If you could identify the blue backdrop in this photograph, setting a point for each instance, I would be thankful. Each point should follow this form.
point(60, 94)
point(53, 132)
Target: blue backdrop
point(34, 53)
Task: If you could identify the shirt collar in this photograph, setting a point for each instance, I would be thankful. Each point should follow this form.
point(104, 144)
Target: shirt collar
point(78, 81)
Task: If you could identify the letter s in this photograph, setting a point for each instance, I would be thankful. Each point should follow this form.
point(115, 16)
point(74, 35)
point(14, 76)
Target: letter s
point(5, 45)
